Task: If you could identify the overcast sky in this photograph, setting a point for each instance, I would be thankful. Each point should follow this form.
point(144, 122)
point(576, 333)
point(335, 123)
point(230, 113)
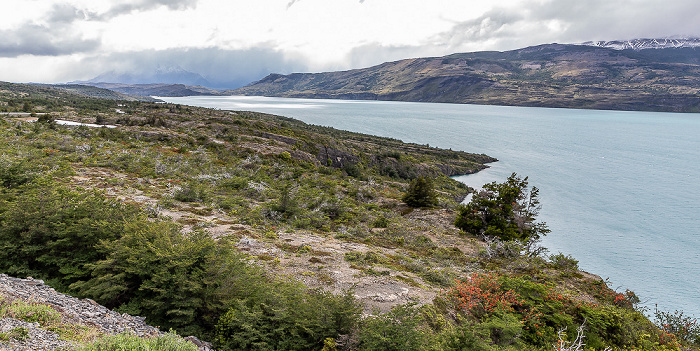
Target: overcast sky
point(232, 42)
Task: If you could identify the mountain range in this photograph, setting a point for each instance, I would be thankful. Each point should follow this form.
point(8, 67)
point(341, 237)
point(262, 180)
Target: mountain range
point(593, 76)
point(638, 74)
point(161, 74)
point(643, 44)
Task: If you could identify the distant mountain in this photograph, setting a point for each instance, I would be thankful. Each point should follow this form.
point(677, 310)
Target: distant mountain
point(157, 89)
point(94, 92)
point(162, 74)
point(551, 75)
point(643, 44)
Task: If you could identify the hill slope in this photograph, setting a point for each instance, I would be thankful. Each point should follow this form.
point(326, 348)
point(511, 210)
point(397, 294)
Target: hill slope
point(242, 227)
point(163, 89)
point(552, 75)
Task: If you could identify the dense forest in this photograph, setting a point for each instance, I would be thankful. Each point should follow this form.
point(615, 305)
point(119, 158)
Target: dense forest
point(260, 232)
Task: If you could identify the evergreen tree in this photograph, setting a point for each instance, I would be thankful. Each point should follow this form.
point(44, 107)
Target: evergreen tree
point(420, 193)
point(505, 210)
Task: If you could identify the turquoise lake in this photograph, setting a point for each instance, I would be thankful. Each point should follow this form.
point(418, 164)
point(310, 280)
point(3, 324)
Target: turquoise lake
point(619, 190)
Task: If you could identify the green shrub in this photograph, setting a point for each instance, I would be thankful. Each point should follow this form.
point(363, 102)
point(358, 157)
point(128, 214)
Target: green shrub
point(50, 231)
point(15, 173)
point(503, 210)
point(396, 330)
point(19, 333)
point(129, 342)
point(381, 222)
point(460, 338)
point(420, 193)
point(563, 262)
point(174, 280)
point(286, 318)
point(679, 325)
point(190, 193)
point(31, 312)
point(234, 183)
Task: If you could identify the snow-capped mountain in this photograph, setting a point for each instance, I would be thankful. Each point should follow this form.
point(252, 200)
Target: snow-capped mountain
point(642, 44)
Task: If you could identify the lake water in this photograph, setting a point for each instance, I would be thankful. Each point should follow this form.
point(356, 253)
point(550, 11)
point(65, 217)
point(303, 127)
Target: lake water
point(619, 190)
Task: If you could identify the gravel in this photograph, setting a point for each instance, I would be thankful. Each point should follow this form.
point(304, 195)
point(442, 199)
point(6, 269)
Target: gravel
point(73, 311)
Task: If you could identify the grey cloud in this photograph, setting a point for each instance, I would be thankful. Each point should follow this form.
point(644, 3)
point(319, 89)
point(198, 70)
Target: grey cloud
point(292, 2)
point(31, 39)
point(222, 68)
point(496, 25)
point(64, 13)
point(145, 5)
point(529, 23)
point(373, 54)
point(625, 19)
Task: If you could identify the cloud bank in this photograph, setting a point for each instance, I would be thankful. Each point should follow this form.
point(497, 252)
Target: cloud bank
point(232, 43)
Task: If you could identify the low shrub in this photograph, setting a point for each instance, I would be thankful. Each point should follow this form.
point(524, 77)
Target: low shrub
point(678, 325)
point(397, 330)
point(19, 333)
point(31, 312)
point(130, 342)
point(286, 317)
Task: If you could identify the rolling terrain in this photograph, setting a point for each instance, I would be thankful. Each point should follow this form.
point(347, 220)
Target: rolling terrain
point(248, 229)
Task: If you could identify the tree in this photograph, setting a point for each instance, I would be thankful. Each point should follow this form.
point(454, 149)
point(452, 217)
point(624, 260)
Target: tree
point(420, 193)
point(504, 210)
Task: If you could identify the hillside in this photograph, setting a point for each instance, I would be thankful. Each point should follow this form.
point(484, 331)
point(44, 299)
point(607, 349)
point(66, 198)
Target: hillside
point(255, 231)
point(83, 90)
point(552, 75)
point(161, 89)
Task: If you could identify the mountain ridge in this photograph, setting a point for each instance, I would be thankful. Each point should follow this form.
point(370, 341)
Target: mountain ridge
point(646, 43)
point(548, 75)
point(161, 74)
point(156, 89)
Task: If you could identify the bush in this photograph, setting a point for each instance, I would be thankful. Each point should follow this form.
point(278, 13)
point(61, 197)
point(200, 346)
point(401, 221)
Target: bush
point(397, 330)
point(128, 342)
point(190, 193)
point(15, 173)
point(678, 325)
point(420, 193)
point(565, 262)
point(286, 318)
point(506, 211)
point(174, 280)
point(19, 333)
point(49, 231)
point(31, 313)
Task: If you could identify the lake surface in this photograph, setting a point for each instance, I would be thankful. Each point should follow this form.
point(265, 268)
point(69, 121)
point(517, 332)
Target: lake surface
point(619, 190)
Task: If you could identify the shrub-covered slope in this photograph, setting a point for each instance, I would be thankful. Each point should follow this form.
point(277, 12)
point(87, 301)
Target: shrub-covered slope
point(261, 232)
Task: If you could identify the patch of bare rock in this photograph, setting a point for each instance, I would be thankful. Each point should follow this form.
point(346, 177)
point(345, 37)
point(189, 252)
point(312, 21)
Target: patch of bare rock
point(85, 312)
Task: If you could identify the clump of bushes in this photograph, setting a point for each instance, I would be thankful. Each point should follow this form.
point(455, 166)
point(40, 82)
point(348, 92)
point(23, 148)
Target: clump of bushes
point(89, 246)
point(284, 319)
point(678, 325)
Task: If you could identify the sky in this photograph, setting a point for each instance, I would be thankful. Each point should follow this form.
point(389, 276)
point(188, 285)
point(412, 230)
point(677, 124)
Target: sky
point(234, 42)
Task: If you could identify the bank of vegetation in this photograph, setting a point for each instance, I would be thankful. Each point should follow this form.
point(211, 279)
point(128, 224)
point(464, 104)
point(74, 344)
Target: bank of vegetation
point(97, 213)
